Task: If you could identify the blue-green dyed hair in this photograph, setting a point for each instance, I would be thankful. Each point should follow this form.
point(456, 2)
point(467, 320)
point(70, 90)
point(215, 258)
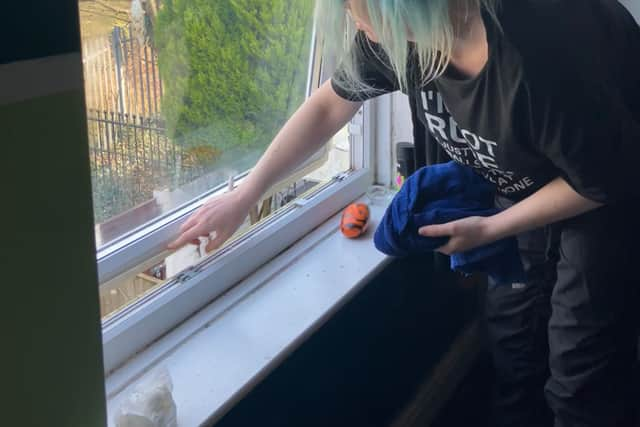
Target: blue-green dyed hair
point(430, 23)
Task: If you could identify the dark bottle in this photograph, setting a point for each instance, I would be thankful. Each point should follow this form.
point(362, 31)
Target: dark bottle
point(405, 162)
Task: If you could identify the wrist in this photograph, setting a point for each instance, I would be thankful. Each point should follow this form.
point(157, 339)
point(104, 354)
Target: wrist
point(493, 227)
point(246, 195)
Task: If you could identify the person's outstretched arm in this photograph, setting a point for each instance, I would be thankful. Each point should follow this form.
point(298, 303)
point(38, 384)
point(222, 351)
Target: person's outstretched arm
point(315, 122)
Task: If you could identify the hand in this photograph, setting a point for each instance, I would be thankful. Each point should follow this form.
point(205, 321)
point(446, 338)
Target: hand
point(223, 215)
point(464, 234)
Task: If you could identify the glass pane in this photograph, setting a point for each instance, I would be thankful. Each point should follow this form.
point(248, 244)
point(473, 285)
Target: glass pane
point(181, 94)
point(134, 285)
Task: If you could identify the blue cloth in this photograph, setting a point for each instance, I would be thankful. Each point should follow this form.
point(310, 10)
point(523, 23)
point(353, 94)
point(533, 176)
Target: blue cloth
point(442, 193)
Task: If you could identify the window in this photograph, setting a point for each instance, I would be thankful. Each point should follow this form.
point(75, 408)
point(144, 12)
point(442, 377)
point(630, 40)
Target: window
point(182, 98)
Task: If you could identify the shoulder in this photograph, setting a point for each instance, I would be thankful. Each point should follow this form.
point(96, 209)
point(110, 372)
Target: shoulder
point(549, 23)
point(364, 72)
point(565, 38)
point(563, 14)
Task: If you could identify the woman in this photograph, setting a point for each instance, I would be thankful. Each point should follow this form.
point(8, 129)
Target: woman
point(542, 98)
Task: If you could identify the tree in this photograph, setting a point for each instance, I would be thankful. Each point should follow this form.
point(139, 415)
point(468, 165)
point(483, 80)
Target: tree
point(233, 70)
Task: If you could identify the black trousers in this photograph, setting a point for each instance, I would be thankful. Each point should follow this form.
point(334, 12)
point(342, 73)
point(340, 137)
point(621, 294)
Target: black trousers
point(564, 343)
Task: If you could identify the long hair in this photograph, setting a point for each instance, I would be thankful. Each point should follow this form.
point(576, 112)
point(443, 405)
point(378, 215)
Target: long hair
point(431, 24)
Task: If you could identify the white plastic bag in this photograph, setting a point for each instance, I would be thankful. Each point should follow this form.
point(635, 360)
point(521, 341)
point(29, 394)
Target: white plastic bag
point(150, 404)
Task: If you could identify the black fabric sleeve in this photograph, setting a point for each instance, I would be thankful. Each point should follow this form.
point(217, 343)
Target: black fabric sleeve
point(373, 67)
point(582, 72)
point(632, 68)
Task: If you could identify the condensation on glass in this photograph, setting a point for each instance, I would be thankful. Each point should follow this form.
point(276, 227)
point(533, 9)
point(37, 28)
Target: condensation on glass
point(180, 96)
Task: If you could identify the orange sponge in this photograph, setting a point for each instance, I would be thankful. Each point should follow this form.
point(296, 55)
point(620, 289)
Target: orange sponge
point(355, 219)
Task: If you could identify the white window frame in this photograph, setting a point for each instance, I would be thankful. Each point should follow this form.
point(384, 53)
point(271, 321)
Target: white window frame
point(142, 322)
point(146, 243)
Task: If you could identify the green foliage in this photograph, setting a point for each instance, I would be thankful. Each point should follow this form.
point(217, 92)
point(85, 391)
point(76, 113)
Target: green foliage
point(233, 70)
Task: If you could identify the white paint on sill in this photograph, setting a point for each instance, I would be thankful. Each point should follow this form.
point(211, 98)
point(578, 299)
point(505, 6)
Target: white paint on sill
point(217, 356)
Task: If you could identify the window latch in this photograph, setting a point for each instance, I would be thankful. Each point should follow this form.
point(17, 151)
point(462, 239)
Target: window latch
point(186, 274)
point(341, 176)
point(300, 202)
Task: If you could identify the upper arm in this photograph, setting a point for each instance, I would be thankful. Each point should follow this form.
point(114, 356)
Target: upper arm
point(335, 105)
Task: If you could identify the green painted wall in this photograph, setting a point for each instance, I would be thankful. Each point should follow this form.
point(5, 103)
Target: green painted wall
point(51, 363)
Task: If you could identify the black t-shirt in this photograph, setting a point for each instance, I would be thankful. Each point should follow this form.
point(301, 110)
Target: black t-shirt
point(559, 96)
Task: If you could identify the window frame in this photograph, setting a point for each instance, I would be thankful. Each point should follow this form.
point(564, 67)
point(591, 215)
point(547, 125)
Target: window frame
point(141, 323)
point(146, 243)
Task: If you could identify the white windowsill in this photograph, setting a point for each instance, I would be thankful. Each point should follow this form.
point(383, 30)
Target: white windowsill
point(217, 356)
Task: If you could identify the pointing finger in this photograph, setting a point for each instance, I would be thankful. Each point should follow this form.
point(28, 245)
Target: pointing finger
point(437, 230)
point(190, 222)
point(186, 237)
